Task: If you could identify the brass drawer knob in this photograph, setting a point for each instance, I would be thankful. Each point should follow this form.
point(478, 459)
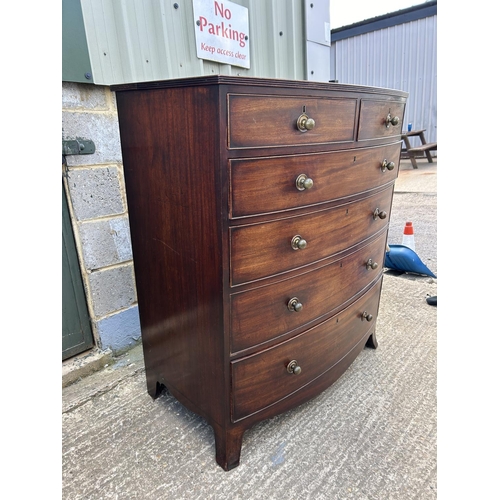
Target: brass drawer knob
point(389, 165)
point(293, 367)
point(381, 214)
point(366, 316)
point(303, 182)
point(294, 305)
point(304, 123)
point(371, 264)
point(391, 120)
point(298, 243)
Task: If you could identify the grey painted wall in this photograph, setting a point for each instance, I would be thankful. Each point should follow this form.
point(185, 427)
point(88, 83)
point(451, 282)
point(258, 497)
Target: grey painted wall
point(402, 57)
point(96, 197)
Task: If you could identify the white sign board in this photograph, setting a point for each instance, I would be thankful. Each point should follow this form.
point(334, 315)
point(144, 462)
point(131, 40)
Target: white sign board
point(222, 33)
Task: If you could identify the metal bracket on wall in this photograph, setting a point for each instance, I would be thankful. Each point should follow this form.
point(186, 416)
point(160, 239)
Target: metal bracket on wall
point(78, 147)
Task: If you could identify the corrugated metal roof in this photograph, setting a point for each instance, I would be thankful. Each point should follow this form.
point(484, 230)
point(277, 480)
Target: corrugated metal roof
point(402, 16)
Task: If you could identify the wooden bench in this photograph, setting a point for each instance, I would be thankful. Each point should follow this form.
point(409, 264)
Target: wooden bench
point(425, 147)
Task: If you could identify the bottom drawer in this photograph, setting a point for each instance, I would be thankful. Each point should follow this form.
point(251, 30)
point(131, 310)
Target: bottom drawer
point(263, 379)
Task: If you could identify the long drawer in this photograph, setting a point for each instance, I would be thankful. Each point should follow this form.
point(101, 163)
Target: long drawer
point(264, 185)
point(263, 379)
point(290, 304)
point(272, 121)
point(271, 248)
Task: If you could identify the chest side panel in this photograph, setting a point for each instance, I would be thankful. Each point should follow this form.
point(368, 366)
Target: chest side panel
point(172, 175)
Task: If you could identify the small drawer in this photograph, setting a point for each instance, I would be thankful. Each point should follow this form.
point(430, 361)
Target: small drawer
point(379, 119)
point(265, 378)
point(271, 248)
point(266, 185)
point(270, 121)
point(293, 303)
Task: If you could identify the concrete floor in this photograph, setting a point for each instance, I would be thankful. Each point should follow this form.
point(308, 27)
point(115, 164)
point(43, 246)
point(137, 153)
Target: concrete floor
point(371, 435)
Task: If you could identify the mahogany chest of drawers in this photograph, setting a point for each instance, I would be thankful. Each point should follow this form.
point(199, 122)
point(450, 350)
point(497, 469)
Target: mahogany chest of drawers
point(259, 212)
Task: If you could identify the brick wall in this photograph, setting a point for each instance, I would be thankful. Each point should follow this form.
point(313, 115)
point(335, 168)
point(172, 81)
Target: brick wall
point(96, 197)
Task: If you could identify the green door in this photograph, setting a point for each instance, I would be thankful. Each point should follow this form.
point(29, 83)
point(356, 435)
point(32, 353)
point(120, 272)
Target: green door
point(76, 331)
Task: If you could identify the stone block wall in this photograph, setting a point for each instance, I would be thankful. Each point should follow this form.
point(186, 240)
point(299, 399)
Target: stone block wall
point(96, 196)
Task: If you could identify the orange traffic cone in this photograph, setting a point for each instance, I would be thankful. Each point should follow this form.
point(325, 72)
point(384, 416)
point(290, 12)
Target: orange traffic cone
point(408, 236)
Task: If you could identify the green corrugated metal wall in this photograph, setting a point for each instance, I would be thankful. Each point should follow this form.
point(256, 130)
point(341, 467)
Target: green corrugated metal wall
point(142, 40)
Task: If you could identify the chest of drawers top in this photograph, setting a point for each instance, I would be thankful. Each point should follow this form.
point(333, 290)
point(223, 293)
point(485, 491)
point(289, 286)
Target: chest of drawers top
point(267, 113)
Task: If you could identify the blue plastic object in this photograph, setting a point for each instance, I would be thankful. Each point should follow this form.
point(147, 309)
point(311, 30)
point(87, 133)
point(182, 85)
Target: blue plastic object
point(404, 259)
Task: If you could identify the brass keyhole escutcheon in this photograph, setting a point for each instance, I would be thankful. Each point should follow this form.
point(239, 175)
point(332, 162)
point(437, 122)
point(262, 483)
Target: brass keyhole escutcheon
point(293, 367)
point(303, 182)
point(294, 305)
point(387, 165)
point(304, 123)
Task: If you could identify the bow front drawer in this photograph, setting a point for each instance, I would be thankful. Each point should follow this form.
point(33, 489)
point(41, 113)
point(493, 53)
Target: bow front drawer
point(262, 121)
point(380, 119)
point(266, 185)
point(270, 248)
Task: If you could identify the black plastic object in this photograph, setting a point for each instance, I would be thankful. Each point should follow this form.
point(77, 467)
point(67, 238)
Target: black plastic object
point(432, 301)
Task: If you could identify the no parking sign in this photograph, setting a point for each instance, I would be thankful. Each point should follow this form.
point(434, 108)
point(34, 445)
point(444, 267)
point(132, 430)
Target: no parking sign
point(221, 29)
